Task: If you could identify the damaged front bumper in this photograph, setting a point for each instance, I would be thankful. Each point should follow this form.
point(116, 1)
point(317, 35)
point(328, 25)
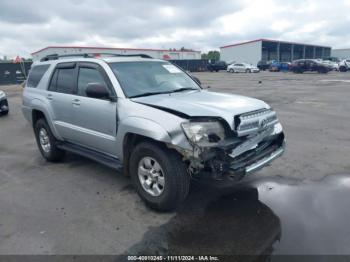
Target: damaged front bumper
point(235, 158)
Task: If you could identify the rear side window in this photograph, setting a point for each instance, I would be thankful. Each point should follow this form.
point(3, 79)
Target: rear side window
point(65, 81)
point(35, 75)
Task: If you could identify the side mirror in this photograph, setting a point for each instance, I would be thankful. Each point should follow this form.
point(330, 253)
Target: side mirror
point(97, 90)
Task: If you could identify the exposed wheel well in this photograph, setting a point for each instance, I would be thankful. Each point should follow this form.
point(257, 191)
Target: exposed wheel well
point(36, 115)
point(129, 142)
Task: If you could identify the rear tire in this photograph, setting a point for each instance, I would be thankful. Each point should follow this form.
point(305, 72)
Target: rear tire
point(46, 141)
point(342, 69)
point(149, 157)
point(247, 71)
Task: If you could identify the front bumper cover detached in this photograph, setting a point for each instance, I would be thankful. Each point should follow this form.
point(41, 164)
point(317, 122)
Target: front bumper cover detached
point(234, 159)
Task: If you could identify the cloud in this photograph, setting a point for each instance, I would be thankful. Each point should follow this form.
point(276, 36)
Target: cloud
point(26, 25)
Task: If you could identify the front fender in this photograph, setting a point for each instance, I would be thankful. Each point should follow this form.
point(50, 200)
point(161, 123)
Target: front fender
point(151, 129)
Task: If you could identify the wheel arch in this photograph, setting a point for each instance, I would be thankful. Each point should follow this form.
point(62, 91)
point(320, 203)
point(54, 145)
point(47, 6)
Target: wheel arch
point(38, 111)
point(130, 141)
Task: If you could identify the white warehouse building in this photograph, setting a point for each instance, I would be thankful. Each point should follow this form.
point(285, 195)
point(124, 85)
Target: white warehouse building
point(341, 53)
point(155, 53)
point(265, 50)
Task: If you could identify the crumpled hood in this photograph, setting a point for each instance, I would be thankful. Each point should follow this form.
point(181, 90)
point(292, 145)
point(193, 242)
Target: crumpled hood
point(204, 103)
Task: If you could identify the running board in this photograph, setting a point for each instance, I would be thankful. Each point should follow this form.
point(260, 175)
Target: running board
point(93, 155)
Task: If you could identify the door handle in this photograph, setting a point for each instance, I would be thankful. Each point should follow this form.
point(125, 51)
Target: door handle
point(49, 97)
point(76, 102)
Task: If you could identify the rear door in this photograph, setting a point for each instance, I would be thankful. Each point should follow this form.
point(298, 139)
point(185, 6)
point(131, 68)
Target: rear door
point(59, 95)
point(96, 119)
point(239, 67)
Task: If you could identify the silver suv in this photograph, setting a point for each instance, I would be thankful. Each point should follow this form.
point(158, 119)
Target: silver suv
point(149, 119)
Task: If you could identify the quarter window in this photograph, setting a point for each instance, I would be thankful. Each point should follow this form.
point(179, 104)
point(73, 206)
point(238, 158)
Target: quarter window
point(35, 75)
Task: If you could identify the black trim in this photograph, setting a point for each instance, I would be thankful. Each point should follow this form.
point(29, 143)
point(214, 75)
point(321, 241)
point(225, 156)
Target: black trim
point(69, 65)
point(93, 155)
point(54, 85)
point(88, 55)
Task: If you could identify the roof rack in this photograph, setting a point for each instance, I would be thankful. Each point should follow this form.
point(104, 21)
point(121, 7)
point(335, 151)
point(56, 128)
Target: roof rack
point(90, 55)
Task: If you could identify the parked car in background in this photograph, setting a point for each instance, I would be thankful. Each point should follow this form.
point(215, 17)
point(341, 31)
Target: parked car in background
point(344, 65)
point(149, 119)
point(4, 106)
point(217, 66)
point(279, 66)
point(311, 65)
point(264, 65)
point(333, 65)
point(242, 68)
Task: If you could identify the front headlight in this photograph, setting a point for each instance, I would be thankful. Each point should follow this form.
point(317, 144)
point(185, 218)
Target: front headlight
point(204, 134)
point(2, 94)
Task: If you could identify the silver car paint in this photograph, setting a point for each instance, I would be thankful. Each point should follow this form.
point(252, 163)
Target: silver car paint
point(134, 115)
point(206, 103)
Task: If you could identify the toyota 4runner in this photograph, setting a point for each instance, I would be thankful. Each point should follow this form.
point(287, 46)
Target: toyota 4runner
point(149, 119)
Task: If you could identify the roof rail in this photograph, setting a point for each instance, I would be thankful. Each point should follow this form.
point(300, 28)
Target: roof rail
point(128, 55)
point(90, 55)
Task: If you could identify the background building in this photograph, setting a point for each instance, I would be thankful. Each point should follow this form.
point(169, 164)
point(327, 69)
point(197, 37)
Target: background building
point(155, 53)
point(341, 53)
point(265, 50)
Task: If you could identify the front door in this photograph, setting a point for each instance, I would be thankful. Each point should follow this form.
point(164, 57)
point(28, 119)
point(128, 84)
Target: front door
point(96, 119)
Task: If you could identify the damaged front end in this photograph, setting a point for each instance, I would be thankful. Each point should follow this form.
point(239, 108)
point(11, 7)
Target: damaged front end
point(223, 152)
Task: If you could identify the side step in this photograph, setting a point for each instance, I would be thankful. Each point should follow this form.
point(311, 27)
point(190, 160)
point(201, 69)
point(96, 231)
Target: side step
point(93, 155)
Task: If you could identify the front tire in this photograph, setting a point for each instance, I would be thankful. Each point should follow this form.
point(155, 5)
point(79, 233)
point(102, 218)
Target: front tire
point(46, 141)
point(159, 176)
point(232, 70)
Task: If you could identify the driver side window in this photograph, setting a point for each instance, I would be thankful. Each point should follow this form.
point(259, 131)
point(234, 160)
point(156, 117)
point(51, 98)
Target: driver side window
point(88, 76)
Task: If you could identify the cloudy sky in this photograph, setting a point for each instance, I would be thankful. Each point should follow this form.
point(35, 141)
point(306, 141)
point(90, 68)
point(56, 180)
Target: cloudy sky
point(29, 25)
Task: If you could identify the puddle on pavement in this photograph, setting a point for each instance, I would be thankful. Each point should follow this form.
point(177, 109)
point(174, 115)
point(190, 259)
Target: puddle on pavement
point(261, 217)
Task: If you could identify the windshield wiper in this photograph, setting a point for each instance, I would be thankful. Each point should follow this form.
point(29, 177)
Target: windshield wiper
point(164, 92)
point(183, 89)
point(149, 94)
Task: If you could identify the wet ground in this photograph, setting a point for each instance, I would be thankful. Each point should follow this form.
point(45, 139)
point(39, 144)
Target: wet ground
point(261, 217)
point(298, 205)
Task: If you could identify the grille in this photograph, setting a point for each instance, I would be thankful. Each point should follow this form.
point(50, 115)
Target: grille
point(254, 121)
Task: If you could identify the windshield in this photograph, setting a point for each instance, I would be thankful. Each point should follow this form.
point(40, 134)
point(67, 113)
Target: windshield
point(147, 78)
